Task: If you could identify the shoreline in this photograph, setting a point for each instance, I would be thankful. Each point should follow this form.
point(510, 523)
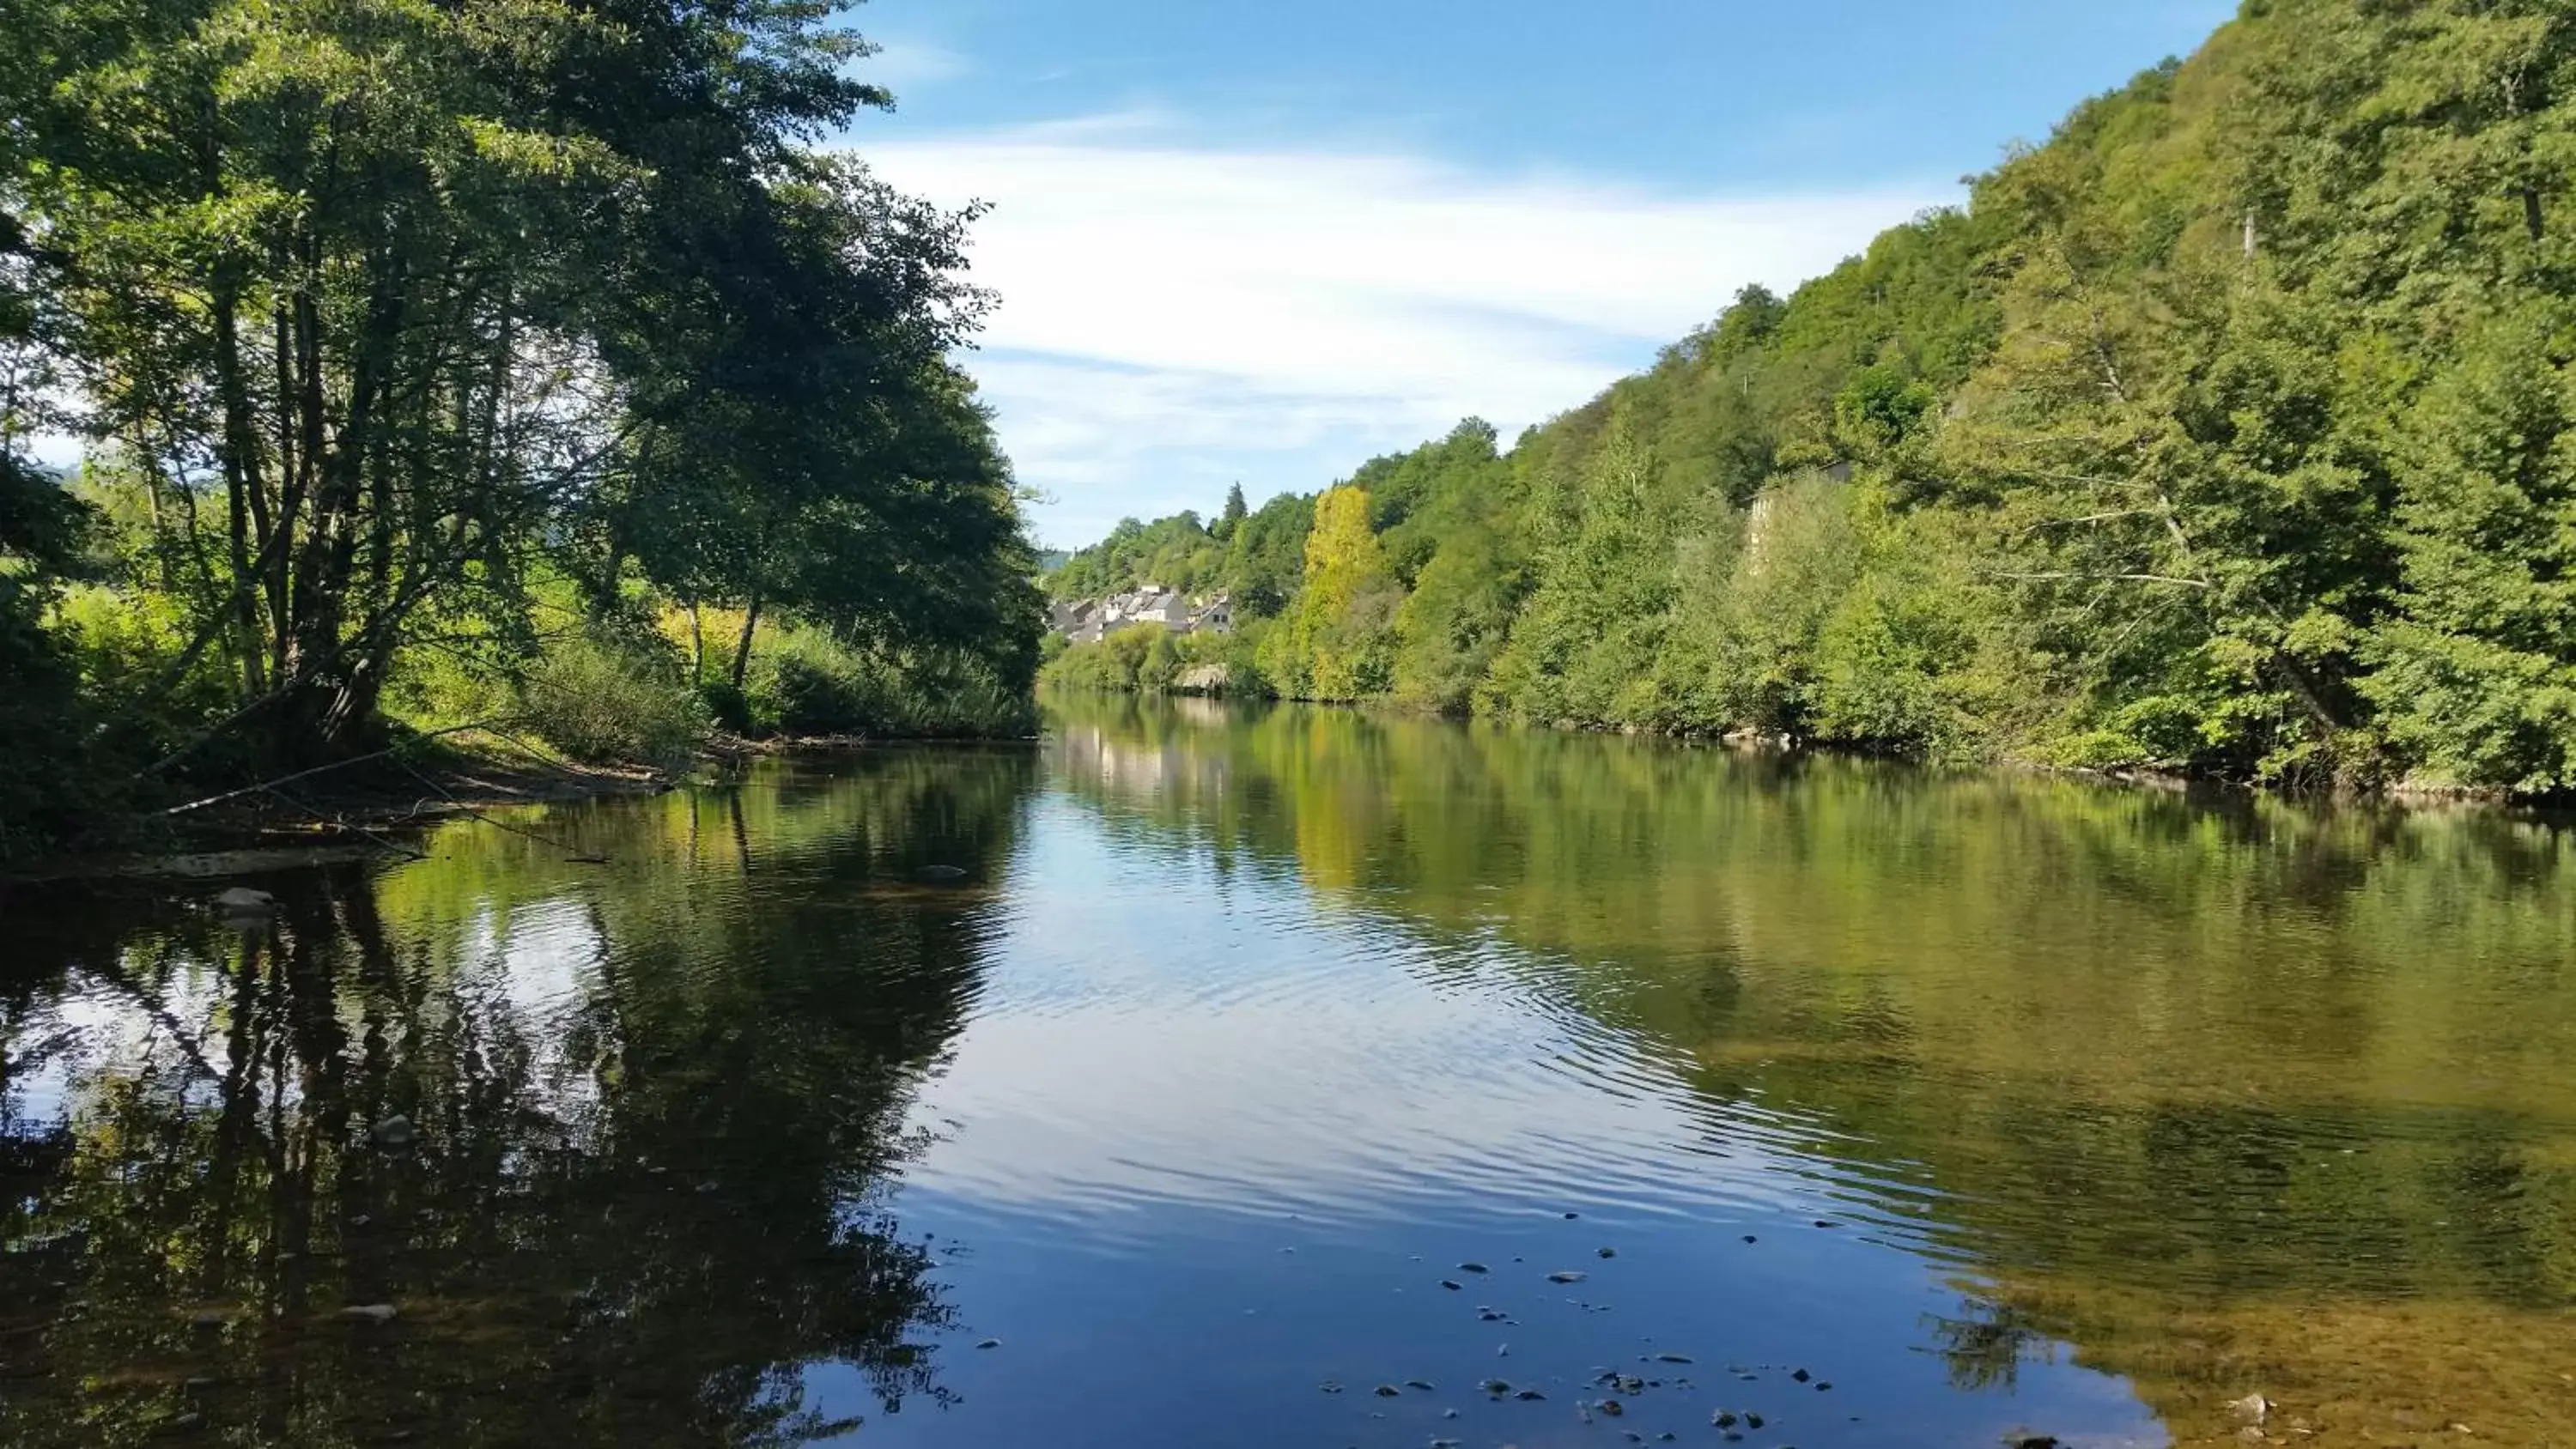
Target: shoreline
point(373, 808)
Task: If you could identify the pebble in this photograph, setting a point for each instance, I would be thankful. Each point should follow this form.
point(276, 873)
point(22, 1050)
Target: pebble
point(1388, 1391)
point(1530, 1396)
point(990, 1343)
point(1800, 1375)
point(1473, 1268)
point(1609, 1252)
point(1330, 1386)
point(1613, 1407)
point(1425, 1385)
point(1672, 1358)
point(1452, 1284)
point(1565, 1277)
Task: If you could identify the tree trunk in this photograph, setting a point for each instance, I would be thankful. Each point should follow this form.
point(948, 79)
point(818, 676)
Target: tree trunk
point(742, 647)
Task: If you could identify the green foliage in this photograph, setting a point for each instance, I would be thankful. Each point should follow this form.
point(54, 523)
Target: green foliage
point(448, 330)
point(809, 684)
point(2230, 431)
point(609, 702)
point(1258, 557)
point(42, 779)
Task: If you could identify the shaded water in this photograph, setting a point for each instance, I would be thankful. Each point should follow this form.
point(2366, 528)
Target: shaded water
point(1992, 1103)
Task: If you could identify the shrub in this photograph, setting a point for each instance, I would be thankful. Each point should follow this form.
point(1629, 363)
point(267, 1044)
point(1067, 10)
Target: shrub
point(609, 704)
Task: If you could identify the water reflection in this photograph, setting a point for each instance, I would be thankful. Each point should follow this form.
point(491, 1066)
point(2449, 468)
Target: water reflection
point(1226, 1041)
point(2223, 1092)
point(657, 1106)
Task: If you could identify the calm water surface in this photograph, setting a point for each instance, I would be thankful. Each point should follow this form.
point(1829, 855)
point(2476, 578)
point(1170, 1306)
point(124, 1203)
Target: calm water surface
point(1259, 1060)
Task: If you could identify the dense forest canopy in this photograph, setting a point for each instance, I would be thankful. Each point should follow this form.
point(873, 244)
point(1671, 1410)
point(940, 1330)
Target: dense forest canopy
point(2231, 430)
point(420, 352)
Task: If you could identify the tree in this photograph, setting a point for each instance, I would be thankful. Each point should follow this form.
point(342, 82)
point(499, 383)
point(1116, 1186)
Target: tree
point(397, 304)
point(1335, 643)
point(1232, 518)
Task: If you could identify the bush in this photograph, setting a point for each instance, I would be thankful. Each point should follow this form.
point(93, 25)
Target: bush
point(809, 683)
point(606, 704)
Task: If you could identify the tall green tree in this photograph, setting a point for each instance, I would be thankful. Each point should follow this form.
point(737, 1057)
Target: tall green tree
point(393, 301)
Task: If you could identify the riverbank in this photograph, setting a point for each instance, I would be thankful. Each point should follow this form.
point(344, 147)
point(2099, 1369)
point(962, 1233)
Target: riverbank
point(371, 806)
point(379, 805)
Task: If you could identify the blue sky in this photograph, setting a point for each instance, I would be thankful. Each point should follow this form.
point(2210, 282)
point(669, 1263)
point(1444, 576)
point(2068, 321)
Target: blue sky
point(1263, 243)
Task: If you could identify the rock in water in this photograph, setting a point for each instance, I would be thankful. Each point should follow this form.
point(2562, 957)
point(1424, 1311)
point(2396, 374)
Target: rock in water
point(243, 901)
point(2253, 1407)
point(395, 1131)
point(1565, 1277)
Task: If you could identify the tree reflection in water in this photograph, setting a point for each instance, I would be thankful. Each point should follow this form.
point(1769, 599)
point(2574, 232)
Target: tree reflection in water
point(658, 1108)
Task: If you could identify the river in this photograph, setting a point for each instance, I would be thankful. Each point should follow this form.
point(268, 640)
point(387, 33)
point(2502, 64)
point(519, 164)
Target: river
point(1287, 1077)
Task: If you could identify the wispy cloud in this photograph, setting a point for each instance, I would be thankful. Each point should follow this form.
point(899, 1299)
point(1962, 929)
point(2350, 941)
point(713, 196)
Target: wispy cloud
point(1174, 317)
point(901, 65)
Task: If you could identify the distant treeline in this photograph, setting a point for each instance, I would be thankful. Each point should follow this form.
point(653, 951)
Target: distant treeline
point(2229, 431)
point(435, 363)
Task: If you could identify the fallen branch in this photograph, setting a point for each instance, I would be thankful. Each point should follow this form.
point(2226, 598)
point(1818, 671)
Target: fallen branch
point(271, 785)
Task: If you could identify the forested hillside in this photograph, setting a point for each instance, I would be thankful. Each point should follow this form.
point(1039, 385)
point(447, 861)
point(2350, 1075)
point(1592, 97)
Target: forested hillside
point(2228, 431)
point(471, 362)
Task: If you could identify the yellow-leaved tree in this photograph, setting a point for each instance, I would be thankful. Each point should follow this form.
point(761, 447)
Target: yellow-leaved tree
point(1337, 642)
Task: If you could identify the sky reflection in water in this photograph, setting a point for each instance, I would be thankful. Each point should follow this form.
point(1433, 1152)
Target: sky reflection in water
point(2038, 1105)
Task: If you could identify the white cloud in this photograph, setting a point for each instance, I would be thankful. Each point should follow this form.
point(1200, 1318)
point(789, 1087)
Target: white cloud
point(1172, 316)
point(904, 65)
